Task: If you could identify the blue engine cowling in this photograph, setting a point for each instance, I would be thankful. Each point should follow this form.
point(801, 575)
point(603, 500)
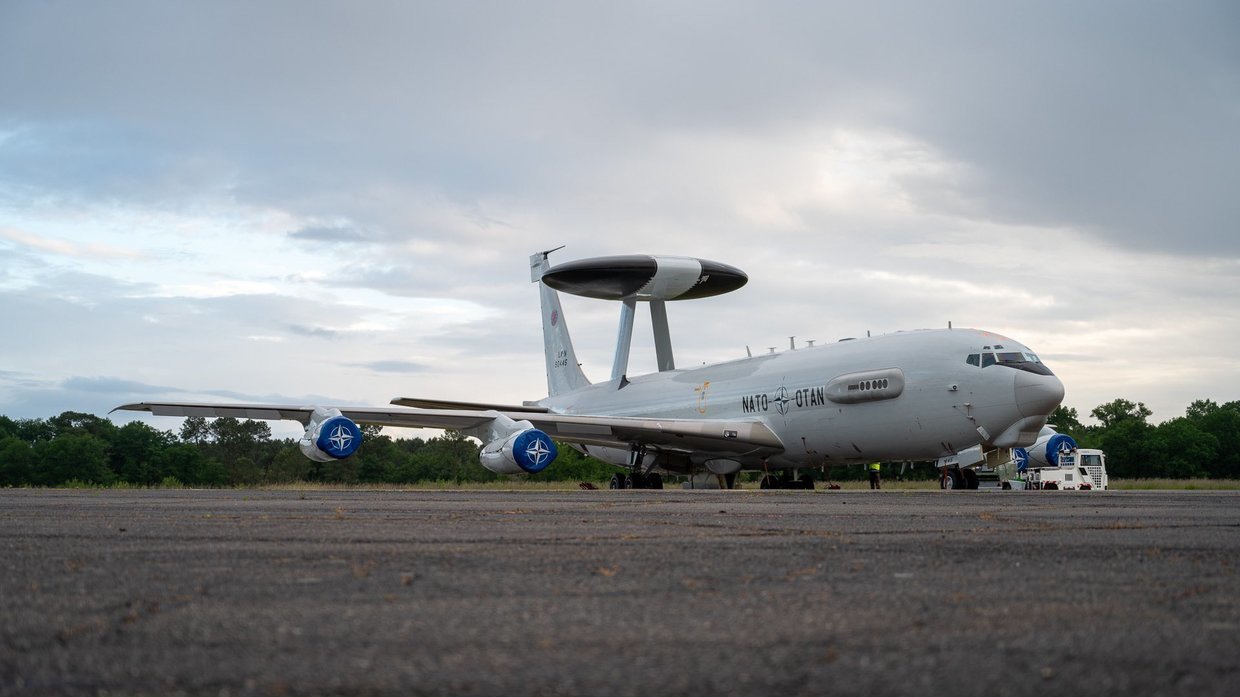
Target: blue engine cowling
point(1045, 452)
point(330, 436)
point(529, 451)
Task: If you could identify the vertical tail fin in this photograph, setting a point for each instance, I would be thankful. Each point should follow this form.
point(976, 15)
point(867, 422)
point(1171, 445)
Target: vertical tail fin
point(563, 372)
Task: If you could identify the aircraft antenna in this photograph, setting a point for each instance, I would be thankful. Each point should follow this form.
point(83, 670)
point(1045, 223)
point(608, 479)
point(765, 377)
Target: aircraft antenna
point(549, 251)
point(792, 343)
point(748, 353)
point(810, 342)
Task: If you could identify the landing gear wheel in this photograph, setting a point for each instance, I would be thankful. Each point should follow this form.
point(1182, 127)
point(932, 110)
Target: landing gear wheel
point(769, 482)
point(806, 483)
point(654, 481)
point(632, 482)
point(953, 480)
point(617, 482)
point(730, 480)
point(970, 479)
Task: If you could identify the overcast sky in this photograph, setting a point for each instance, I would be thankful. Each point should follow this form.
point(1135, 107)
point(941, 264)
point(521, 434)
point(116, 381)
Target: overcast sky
point(335, 201)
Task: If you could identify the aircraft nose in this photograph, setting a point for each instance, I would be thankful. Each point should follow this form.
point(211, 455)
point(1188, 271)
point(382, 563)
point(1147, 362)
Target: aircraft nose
point(1037, 395)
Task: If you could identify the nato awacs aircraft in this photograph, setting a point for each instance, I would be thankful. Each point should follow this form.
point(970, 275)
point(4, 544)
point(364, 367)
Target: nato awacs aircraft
point(916, 395)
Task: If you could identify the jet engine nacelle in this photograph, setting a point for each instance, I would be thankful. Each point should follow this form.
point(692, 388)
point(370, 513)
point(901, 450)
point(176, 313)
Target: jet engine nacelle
point(1045, 451)
point(330, 436)
point(528, 450)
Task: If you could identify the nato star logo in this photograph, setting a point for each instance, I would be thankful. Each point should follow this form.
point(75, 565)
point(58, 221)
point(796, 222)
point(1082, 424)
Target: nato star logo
point(538, 451)
point(781, 401)
point(341, 437)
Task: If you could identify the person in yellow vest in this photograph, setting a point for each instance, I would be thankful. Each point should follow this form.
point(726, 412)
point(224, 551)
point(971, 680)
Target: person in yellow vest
point(874, 479)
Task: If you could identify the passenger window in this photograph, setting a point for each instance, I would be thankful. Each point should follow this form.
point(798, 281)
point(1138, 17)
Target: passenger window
point(988, 359)
point(972, 359)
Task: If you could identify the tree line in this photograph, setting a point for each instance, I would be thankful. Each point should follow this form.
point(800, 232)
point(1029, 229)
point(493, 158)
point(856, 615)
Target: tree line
point(83, 448)
point(1205, 442)
point(78, 447)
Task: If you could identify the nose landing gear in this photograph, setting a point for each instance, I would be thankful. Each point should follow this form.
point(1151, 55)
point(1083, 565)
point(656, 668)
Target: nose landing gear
point(958, 478)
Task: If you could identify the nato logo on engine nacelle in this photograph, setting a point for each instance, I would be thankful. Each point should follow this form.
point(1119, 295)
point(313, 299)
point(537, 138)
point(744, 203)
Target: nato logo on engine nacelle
point(339, 437)
point(534, 450)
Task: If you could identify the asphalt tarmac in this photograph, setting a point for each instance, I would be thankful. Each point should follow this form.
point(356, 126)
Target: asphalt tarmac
point(619, 593)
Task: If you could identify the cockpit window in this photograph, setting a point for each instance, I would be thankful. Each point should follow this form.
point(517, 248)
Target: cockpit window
point(1015, 357)
point(1021, 360)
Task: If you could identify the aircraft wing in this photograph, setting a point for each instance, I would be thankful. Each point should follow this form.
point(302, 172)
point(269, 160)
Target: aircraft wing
point(740, 437)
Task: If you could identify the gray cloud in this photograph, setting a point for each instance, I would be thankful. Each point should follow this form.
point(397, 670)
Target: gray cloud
point(392, 366)
point(113, 386)
point(328, 234)
point(1063, 112)
point(312, 332)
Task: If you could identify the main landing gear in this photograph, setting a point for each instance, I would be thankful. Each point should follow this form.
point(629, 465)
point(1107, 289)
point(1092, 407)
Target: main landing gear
point(786, 481)
point(636, 480)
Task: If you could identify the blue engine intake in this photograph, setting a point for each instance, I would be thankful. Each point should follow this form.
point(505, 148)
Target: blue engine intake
point(534, 450)
point(1046, 451)
point(339, 437)
point(330, 436)
point(529, 450)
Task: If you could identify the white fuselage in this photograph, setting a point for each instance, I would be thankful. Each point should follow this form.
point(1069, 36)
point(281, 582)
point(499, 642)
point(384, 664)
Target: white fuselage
point(904, 396)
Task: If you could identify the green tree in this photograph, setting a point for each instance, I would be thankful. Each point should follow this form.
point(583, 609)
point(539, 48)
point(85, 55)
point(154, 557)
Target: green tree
point(70, 456)
point(1125, 446)
point(34, 430)
point(188, 464)
point(81, 422)
point(136, 448)
point(243, 446)
point(450, 457)
point(1178, 449)
point(194, 430)
point(17, 461)
point(379, 458)
point(1222, 422)
point(1065, 420)
point(572, 466)
point(1201, 409)
point(289, 465)
point(1118, 410)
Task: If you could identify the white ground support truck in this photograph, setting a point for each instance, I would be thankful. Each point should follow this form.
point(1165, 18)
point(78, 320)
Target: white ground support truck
point(1090, 472)
point(1053, 463)
point(1080, 470)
